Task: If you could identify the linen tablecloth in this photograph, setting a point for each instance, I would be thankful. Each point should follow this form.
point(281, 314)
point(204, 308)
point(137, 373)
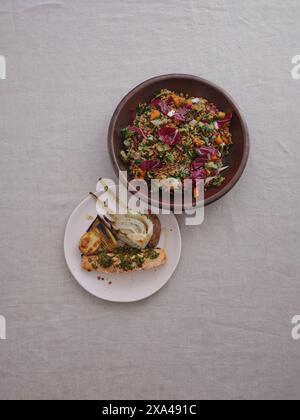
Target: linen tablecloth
point(221, 328)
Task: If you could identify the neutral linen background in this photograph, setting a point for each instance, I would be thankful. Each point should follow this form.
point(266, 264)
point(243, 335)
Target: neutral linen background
point(221, 328)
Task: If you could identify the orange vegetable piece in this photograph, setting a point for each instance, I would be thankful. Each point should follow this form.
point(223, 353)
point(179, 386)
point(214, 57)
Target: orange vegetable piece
point(178, 100)
point(198, 142)
point(219, 140)
point(154, 115)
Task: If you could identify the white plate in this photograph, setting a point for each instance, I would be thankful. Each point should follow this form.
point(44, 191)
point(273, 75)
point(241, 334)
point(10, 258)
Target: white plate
point(127, 287)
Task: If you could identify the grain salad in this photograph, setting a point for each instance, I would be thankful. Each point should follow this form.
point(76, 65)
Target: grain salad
point(177, 137)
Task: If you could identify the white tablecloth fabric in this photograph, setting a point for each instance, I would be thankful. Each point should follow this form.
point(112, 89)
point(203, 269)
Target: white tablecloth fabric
point(221, 328)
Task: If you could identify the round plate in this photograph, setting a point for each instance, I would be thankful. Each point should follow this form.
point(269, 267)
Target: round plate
point(127, 287)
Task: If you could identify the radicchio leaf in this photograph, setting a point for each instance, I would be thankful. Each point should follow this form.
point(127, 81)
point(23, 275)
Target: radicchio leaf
point(225, 120)
point(181, 113)
point(147, 165)
point(207, 152)
point(165, 109)
point(197, 168)
point(169, 135)
point(198, 173)
point(199, 162)
point(137, 130)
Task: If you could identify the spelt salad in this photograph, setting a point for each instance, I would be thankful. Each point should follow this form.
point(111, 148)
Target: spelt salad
point(177, 137)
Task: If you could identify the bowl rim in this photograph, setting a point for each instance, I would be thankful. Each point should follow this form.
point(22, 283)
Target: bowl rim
point(228, 187)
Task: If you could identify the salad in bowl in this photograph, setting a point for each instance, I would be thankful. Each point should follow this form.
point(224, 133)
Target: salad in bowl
point(176, 137)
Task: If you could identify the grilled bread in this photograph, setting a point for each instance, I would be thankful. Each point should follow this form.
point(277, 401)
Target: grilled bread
point(90, 242)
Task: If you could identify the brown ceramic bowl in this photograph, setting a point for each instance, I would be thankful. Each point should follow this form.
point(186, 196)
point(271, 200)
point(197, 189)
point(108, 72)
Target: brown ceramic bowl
point(194, 86)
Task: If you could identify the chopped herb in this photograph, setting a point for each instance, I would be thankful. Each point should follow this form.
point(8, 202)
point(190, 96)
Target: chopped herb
point(105, 260)
point(125, 258)
point(152, 254)
point(218, 181)
point(170, 158)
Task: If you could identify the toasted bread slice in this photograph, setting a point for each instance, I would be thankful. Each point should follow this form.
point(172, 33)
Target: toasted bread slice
point(116, 262)
point(89, 243)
